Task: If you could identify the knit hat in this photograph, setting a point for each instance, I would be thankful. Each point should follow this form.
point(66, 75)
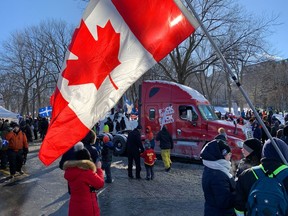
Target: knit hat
point(78, 146)
point(90, 138)
point(106, 139)
point(106, 129)
point(253, 145)
point(270, 152)
point(83, 154)
point(224, 148)
point(215, 150)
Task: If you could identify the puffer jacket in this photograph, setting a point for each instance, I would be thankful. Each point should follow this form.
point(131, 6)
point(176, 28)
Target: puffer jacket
point(83, 179)
point(17, 141)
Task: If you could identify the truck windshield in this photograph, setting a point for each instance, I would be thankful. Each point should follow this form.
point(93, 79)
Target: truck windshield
point(207, 112)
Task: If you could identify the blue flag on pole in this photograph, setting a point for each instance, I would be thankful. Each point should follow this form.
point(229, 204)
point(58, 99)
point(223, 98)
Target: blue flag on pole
point(45, 111)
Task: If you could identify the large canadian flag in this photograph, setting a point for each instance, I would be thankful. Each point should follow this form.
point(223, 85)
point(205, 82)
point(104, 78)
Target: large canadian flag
point(116, 42)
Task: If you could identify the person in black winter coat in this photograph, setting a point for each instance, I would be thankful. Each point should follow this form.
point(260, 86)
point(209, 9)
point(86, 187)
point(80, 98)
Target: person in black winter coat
point(122, 124)
point(107, 155)
point(166, 144)
point(88, 141)
point(25, 127)
point(217, 182)
point(134, 149)
point(251, 150)
point(43, 127)
point(270, 162)
point(257, 132)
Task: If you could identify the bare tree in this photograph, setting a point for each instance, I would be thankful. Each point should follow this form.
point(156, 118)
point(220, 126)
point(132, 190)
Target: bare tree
point(31, 61)
point(239, 36)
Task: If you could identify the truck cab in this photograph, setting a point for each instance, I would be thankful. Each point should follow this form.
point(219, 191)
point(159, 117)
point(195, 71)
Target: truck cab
point(188, 116)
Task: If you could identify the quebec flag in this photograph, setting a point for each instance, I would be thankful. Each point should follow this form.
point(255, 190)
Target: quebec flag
point(128, 106)
point(45, 111)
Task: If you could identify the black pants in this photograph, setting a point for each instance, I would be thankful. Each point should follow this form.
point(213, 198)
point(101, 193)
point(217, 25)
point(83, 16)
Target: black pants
point(15, 161)
point(35, 134)
point(135, 158)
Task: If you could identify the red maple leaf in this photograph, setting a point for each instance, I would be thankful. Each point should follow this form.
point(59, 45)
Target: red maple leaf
point(96, 59)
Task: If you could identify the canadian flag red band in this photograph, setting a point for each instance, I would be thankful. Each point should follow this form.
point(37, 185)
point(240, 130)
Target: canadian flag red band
point(157, 24)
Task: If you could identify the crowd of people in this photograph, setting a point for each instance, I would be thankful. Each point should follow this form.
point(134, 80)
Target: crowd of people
point(261, 180)
point(14, 141)
point(87, 165)
point(92, 157)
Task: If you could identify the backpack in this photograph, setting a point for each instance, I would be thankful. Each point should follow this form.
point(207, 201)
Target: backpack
point(268, 196)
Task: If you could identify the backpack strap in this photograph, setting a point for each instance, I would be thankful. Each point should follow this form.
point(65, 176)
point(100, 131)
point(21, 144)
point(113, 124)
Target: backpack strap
point(259, 172)
point(280, 173)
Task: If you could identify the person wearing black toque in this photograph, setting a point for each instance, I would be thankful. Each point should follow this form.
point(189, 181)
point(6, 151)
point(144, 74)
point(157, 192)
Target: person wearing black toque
point(271, 163)
point(217, 182)
point(251, 150)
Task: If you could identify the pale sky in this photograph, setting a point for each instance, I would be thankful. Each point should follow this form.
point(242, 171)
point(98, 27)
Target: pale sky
point(18, 14)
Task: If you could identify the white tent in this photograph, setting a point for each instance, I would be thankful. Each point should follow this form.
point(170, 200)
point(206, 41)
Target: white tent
point(4, 113)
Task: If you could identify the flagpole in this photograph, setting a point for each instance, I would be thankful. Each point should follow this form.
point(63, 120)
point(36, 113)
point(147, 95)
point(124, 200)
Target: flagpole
point(226, 66)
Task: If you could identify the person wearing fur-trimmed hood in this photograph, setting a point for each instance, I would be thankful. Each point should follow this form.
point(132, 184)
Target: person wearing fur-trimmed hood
point(84, 178)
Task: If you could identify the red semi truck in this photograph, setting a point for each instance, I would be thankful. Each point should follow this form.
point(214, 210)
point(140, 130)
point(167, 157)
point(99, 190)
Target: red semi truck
point(188, 116)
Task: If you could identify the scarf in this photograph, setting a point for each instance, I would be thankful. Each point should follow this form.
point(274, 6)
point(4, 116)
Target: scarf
point(222, 165)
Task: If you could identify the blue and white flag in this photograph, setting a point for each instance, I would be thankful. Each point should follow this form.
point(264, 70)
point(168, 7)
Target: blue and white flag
point(128, 105)
point(45, 111)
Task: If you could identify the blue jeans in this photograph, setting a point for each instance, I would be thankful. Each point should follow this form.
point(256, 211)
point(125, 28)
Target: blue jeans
point(149, 171)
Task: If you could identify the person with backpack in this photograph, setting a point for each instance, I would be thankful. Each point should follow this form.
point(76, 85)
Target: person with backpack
point(261, 190)
point(252, 149)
